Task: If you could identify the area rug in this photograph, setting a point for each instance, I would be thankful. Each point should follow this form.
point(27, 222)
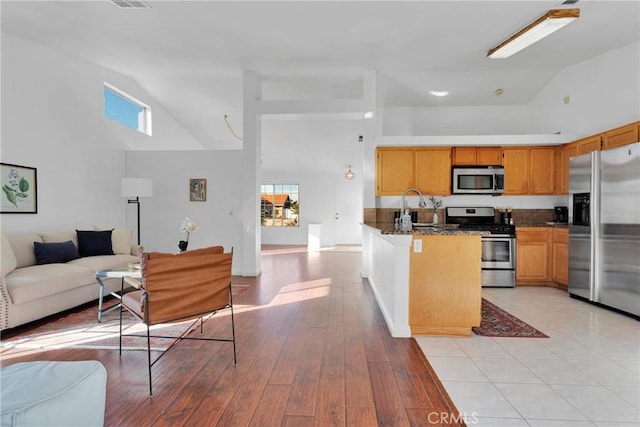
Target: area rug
point(81, 329)
point(498, 323)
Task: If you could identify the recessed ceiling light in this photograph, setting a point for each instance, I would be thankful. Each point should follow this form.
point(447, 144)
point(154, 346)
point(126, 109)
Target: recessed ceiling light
point(499, 91)
point(368, 115)
point(439, 93)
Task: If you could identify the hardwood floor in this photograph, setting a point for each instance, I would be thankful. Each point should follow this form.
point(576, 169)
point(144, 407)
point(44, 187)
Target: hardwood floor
point(313, 349)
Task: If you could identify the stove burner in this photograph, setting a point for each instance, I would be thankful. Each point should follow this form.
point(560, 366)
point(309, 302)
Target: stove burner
point(478, 219)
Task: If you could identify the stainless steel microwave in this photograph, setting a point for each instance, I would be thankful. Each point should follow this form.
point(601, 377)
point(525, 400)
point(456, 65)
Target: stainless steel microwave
point(477, 180)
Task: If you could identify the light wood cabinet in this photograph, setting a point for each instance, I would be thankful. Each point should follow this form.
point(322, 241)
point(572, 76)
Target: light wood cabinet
point(443, 298)
point(433, 170)
point(620, 136)
point(485, 156)
point(589, 144)
point(465, 156)
point(562, 178)
point(426, 168)
point(516, 170)
point(542, 170)
point(560, 256)
point(395, 170)
point(532, 255)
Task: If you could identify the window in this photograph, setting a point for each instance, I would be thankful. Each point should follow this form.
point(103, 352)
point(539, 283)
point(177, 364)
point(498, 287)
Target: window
point(126, 110)
point(279, 205)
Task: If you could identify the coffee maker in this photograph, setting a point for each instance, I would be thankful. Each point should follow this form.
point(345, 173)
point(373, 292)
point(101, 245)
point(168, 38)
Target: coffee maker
point(561, 214)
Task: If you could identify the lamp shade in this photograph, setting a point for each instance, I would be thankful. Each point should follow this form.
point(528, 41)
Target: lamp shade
point(136, 187)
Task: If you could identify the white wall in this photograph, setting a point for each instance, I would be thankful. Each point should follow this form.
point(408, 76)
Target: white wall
point(317, 191)
point(53, 120)
point(604, 92)
point(473, 120)
point(218, 218)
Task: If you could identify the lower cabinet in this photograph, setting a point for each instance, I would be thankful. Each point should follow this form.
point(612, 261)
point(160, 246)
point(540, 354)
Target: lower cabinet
point(532, 255)
point(542, 256)
point(560, 256)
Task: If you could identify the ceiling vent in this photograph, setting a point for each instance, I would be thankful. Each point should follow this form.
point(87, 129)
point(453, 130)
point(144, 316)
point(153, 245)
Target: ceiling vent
point(130, 4)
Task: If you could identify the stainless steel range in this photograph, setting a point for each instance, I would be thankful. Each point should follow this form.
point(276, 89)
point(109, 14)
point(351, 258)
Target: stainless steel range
point(498, 248)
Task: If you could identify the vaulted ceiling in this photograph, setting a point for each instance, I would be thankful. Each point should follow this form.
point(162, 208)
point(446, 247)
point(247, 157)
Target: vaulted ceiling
point(190, 55)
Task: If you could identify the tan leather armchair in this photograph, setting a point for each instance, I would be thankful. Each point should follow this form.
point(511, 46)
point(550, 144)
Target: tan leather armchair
point(179, 287)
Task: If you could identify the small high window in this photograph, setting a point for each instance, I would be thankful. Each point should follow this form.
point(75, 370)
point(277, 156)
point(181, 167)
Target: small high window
point(279, 205)
point(126, 110)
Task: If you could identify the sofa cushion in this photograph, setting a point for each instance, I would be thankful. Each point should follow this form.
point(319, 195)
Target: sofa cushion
point(120, 239)
point(8, 263)
point(49, 253)
point(23, 249)
point(40, 281)
point(60, 236)
point(104, 262)
point(92, 243)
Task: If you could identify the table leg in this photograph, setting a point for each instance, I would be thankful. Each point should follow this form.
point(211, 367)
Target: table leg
point(101, 298)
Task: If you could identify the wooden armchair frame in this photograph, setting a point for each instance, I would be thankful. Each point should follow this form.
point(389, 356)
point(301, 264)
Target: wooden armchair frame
point(190, 285)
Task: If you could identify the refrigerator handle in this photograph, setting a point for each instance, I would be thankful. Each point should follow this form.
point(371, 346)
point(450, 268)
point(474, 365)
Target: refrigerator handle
point(595, 225)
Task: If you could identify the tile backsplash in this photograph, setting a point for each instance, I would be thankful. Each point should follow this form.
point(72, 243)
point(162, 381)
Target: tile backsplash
point(520, 216)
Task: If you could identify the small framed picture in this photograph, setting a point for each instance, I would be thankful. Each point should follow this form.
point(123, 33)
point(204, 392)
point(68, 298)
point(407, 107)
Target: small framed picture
point(19, 189)
point(197, 190)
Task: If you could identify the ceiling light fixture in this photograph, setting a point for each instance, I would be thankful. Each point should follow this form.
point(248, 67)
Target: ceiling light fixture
point(368, 115)
point(349, 175)
point(537, 30)
point(499, 91)
point(226, 121)
point(130, 4)
point(439, 93)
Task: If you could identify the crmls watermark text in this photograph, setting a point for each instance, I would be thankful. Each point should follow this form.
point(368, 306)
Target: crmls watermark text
point(447, 418)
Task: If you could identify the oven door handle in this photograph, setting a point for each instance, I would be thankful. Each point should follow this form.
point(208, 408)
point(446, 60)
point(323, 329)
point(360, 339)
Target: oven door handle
point(498, 237)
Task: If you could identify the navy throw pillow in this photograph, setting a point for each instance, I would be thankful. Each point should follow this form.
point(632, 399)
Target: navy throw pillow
point(92, 243)
point(50, 253)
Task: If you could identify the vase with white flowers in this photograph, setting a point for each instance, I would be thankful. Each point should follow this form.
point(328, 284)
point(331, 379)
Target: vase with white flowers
point(436, 203)
point(187, 226)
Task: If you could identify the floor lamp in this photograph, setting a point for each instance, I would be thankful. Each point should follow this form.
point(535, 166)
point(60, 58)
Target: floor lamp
point(136, 187)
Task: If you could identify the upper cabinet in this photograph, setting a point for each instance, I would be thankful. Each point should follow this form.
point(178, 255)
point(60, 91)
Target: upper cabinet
point(516, 170)
point(433, 170)
point(589, 144)
point(529, 170)
point(426, 168)
point(485, 156)
point(562, 171)
point(620, 136)
point(542, 171)
point(395, 170)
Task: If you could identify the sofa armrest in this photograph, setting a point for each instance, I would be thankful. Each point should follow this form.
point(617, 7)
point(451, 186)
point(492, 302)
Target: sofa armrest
point(137, 250)
point(4, 304)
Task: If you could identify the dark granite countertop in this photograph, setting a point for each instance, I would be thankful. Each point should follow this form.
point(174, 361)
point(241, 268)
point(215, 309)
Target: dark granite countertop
point(546, 224)
point(439, 230)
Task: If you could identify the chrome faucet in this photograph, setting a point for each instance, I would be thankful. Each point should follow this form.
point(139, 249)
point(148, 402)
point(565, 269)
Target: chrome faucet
point(421, 203)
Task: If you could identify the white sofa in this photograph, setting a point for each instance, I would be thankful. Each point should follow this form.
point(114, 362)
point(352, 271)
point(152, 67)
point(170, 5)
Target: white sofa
point(31, 291)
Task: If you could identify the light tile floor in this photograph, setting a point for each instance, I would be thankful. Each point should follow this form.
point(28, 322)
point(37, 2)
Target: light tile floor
point(587, 373)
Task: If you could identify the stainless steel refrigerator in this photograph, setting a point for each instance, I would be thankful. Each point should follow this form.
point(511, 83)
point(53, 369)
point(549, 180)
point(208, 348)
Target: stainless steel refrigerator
point(604, 228)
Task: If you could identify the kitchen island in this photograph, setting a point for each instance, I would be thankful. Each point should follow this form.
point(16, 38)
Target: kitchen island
point(427, 281)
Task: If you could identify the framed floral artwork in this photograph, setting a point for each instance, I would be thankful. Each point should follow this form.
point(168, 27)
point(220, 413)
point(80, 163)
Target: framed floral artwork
point(197, 190)
point(19, 189)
